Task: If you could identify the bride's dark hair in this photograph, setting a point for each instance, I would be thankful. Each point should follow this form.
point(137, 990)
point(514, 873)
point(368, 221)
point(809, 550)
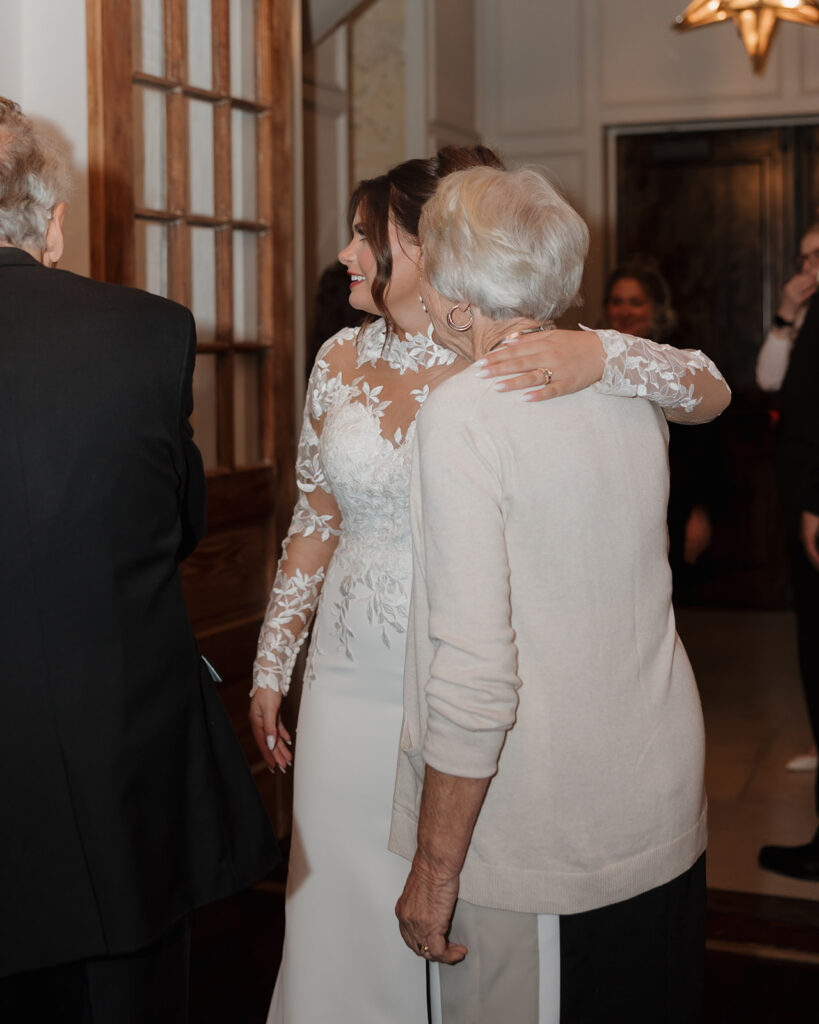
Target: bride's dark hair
point(399, 195)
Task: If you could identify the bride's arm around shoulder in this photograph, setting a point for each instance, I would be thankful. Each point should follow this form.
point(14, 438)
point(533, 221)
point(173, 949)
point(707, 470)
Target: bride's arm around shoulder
point(685, 383)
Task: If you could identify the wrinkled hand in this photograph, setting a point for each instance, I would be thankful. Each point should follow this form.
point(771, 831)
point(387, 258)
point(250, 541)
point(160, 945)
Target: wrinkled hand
point(809, 530)
point(796, 293)
point(272, 738)
point(697, 535)
point(576, 359)
point(424, 913)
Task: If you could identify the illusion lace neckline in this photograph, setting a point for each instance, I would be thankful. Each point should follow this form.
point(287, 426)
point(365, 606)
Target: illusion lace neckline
point(412, 353)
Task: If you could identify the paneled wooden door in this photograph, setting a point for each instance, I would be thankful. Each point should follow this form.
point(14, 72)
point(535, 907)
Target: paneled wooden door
point(722, 211)
point(190, 108)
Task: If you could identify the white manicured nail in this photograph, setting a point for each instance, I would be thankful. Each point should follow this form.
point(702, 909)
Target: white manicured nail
point(271, 742)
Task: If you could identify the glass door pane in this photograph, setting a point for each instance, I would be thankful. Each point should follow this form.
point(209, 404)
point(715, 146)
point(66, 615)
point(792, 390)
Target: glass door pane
point(150, 156)
point(200, 44)
point(243, 159)
point(203, 282)
point(148, 36)
point(243, 48)
point(151, 245)
point(200, 131)
point(245, 286)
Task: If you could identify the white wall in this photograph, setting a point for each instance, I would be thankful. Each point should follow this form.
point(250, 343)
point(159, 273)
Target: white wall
point(43, 68)
point(554, 77)
point(385, 86)
point(450, 75)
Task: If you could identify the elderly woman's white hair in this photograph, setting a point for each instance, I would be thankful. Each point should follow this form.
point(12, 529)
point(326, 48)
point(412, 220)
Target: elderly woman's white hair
point(505, 241)
point(34, 178)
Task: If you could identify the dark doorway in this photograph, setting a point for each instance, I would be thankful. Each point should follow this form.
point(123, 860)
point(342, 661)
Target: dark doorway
point(722, 211)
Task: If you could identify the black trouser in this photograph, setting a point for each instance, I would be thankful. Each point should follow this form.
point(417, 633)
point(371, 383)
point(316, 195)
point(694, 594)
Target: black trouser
point(805, 585)
point(146, 987)
point(641, 961)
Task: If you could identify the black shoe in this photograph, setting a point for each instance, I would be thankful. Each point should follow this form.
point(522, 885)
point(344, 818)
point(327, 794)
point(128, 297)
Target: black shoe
point(793, 861)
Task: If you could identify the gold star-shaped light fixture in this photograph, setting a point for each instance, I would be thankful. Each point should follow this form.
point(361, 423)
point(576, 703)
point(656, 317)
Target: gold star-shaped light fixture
point(755, 20)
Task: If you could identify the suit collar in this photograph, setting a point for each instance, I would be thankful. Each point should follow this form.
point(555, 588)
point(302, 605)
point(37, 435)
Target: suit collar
point(13, 257)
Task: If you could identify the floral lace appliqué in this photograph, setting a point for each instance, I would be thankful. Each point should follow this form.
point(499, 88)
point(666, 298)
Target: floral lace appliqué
point(414, 353)
point(638, 368)
point(345, 463)
point(292, 597)
point(387, 606)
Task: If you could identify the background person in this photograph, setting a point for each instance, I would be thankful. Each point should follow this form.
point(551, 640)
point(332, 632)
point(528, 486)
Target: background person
point(775, 354)
point(771, 367)
point(552, 748)
point(637, 300)
point(797, 453)
point(126, 801)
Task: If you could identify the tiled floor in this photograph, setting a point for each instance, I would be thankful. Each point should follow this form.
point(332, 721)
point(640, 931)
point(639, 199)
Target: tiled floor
point(745, 663)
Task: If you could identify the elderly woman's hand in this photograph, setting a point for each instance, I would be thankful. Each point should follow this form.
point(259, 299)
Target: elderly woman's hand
point(569, 360)
point(424, 912)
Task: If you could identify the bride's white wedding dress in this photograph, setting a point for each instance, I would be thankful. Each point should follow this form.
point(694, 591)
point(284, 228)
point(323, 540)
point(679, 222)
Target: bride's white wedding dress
point(344, 959)
point(348, 559)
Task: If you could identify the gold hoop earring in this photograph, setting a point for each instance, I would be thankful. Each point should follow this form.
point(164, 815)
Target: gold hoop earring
point(463, 327)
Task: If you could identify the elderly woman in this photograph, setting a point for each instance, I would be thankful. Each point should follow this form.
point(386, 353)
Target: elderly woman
point(551, 770)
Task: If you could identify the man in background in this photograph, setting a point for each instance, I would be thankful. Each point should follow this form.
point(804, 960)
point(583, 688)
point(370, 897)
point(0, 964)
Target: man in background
point(798, 473)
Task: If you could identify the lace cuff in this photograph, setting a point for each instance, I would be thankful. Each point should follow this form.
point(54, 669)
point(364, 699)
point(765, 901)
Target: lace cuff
point(638, 368)
point(292, 603)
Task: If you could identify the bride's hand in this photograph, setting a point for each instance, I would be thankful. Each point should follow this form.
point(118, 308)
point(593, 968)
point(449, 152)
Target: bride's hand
point(576, 360)
point(272, 738)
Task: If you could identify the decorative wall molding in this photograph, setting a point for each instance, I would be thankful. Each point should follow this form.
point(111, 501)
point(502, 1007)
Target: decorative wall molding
point(619, 64)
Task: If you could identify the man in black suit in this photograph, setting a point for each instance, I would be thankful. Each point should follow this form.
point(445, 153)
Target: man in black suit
point(125, 799)
point(798, 470)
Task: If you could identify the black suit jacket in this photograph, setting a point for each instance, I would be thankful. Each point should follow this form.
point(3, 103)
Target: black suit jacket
point(798, 430)
point(125, 800)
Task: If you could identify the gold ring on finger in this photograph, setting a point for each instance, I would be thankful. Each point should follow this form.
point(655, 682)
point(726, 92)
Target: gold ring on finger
point(547, 375)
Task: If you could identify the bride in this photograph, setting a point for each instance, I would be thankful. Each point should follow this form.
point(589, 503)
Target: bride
point(347, 559)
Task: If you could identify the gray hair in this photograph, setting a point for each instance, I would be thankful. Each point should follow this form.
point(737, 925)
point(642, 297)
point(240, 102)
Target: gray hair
point(506, 241)
point(34, 177)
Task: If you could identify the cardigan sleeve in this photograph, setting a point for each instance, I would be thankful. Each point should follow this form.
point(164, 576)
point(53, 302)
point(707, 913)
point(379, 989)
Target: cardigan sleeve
point(471, 691)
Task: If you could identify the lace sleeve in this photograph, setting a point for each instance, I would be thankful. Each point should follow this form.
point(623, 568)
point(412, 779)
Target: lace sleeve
point(306, 551)
point(683, 382)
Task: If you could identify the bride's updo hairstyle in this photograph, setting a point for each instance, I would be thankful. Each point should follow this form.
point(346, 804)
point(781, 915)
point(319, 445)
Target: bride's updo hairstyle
point(400, 195)
point(505, 241)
